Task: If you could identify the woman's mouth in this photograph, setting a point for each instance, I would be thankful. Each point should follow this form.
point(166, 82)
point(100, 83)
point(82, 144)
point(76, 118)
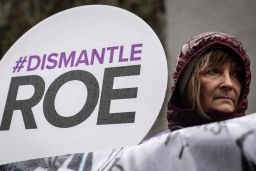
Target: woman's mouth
point(225, 98)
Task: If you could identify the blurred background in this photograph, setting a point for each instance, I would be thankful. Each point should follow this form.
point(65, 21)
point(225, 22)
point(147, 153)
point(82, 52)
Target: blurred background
point(174, 21)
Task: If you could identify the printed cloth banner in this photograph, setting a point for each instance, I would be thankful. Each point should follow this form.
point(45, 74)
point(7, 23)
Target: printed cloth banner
point(225, 146)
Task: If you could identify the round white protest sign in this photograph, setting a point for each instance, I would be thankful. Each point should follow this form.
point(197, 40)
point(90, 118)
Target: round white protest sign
point(87, 78)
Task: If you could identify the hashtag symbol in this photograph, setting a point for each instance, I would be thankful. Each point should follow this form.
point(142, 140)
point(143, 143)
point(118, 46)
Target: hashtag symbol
point(19, 64)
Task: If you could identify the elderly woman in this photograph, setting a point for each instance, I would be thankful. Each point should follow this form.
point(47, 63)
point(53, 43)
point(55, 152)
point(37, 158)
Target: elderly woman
point(211, 82)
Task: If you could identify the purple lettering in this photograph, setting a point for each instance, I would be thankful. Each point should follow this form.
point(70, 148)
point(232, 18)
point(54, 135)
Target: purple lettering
point(121, 59)
point(135, 51)
point(112, 49)
point(83, 58)
point(43, 62)
point(36, 59)
point(65, 61)
point(100, 58)
point(52, 61)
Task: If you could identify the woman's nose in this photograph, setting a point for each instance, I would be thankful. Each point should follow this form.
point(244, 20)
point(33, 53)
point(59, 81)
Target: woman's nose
point(226, 80)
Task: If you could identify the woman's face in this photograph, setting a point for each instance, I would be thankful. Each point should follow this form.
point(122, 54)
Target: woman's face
point(220, 87)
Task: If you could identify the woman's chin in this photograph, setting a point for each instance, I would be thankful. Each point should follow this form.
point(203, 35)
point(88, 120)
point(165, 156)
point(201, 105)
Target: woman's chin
point(224, 108)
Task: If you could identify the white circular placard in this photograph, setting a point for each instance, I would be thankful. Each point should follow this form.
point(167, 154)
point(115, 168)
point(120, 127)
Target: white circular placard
point(87, 78)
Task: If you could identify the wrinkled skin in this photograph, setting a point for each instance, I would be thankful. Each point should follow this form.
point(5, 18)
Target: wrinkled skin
point(220, 87)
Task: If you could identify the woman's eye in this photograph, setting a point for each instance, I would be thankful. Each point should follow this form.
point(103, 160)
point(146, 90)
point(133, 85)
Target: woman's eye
point(237, 74)
point(212, 71)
